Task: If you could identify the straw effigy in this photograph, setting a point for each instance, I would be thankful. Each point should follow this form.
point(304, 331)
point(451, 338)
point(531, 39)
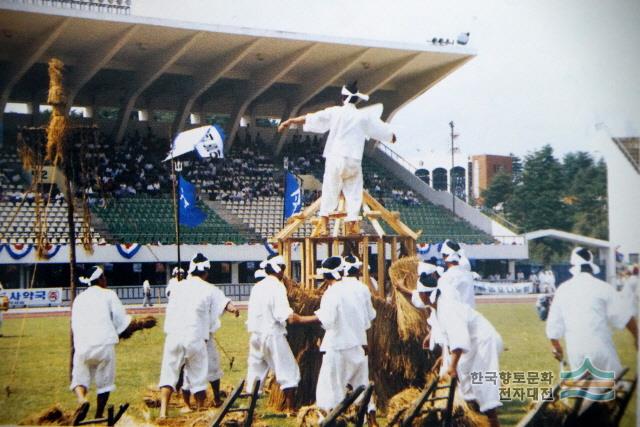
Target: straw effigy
point(59, 122)
point(396, 357)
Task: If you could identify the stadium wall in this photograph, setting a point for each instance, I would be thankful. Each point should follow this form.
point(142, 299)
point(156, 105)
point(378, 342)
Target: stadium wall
point(441, 198)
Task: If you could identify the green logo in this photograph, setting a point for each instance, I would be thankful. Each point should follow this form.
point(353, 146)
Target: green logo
point(588, 382)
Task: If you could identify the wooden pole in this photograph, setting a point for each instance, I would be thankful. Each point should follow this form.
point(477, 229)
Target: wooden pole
point(68, 171)
point(381, 265)
point(176, 210)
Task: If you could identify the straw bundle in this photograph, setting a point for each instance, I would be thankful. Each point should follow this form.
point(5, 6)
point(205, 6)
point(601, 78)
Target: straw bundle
point(396, 357)
point(53, 415)
point(431, 413)
point(411, 321)
point(138, 324)
point(59, 122)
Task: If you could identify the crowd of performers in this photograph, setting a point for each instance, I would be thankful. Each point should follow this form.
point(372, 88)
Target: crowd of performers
point(583, 312)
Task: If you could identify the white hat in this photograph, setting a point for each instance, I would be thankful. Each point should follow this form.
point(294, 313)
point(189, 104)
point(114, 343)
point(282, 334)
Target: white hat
point(581, 256)
point(199, 263)
point(333, 266)
point(451, 251)
point(97, 273)
point(260, 274)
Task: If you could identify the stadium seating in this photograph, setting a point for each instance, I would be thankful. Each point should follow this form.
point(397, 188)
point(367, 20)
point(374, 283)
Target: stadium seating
point(144, 219)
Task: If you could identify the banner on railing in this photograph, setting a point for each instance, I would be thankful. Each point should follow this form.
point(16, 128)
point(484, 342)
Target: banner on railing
point(128, 250)
point(40, 297)
point(19, 250)
point(503, 288)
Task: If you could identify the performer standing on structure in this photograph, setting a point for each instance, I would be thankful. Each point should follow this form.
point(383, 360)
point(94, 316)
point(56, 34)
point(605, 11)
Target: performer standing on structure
point(345, 316)
point(348, 129)
point(268, 312)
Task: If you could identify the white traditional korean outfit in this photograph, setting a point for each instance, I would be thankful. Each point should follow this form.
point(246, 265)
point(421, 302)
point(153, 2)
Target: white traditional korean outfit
point(348, 129)
point(457, 282)
point(268, 347)
point(583, 311)
point(345, 313)
point(97, 318)
point(481, 345)
point(190, 316)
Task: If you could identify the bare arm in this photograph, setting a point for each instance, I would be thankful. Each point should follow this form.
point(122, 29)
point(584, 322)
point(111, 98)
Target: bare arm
point(231, 308)
point(452, 371)
point(300, 120)
point(556, 349)
point(296, 319)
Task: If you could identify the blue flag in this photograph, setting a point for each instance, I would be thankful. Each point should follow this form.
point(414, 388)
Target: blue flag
point(190, 214)
point(292, 195)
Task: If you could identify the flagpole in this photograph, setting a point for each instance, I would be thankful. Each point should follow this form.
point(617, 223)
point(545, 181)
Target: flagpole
point(451, 177)
point(176, 211)
point(284, 187)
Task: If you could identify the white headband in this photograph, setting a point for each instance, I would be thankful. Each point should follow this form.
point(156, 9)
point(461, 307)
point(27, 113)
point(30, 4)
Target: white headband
point(346, 92)
point(429, 268)
point(578, 261)
point(199, 266)
point(334, 272)
point(348, 265)
point(95, 276)
point(260, 274)
point(275, 263)
point(177, 270)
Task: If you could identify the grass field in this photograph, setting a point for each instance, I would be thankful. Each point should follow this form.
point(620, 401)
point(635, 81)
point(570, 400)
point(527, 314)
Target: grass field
point(34, 361)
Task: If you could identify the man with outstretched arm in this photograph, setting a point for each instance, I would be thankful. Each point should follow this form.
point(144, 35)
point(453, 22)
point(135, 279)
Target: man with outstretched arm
point(349, 128)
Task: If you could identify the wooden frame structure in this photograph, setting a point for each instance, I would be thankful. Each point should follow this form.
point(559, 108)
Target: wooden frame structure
point(401, 241)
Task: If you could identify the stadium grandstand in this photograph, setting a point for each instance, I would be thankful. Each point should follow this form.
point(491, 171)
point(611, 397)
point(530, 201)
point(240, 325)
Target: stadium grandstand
point(138, 81)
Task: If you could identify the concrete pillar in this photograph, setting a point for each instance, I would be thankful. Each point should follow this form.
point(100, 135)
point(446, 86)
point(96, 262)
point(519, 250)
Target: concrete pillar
point(512, 269)
point(29, 106)
point(143, 115)
point(88, 113)
point(235, 272)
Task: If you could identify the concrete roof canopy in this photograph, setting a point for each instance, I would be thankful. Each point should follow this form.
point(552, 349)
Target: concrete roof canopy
point(132, 62)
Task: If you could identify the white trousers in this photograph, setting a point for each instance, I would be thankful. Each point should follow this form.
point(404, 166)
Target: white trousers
point(271, 352)
point(483, 358)
point(342, 174)
point(341, 368)
point(214, 371)
point(98, 364)
point(192, 354)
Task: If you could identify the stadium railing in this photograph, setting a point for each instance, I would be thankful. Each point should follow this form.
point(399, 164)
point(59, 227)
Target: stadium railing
point(134, 294)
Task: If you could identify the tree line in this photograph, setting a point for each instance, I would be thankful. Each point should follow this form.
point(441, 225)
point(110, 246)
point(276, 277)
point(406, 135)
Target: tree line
point(543, 192)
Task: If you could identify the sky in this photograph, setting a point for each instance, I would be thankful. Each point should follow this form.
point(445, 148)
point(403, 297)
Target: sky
point(546, 71)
